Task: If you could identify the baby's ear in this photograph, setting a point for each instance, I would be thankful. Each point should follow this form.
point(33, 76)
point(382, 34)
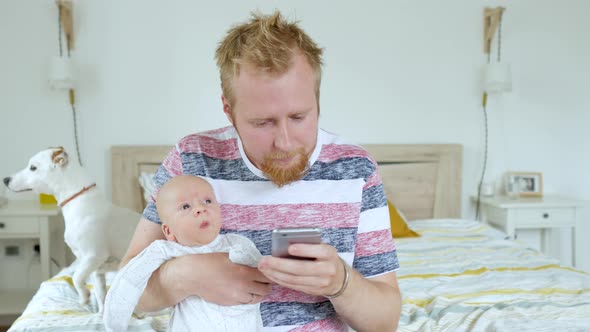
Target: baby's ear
point(167, 233)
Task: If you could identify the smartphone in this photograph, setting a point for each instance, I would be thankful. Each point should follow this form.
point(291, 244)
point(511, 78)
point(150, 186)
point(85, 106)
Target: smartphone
point(283, 237)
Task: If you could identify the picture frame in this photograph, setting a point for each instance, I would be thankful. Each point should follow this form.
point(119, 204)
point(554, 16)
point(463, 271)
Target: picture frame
point(524, 184)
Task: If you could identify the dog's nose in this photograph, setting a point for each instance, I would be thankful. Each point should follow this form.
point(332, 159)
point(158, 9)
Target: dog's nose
point(7, 180)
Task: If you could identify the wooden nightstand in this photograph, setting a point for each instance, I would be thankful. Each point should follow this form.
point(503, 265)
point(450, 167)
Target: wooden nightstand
point(31, 220)
point(547, 212)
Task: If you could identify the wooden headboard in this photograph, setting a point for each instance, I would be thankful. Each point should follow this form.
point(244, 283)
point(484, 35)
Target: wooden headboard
point(423, 180)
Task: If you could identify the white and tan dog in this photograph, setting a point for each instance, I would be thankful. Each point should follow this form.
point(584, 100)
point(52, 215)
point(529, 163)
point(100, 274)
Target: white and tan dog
point(96, 231)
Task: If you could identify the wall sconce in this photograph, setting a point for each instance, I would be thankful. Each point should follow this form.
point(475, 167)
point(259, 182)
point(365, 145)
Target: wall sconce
point(497, 76)
point(61, 73)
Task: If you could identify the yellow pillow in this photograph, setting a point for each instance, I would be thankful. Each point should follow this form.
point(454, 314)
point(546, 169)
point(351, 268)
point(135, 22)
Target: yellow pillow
point(399, 228)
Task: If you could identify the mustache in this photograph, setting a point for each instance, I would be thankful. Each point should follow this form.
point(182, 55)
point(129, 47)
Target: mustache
point(278, 155)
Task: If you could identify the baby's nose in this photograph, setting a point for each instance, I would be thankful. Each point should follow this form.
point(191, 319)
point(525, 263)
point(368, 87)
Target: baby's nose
point(198, 210)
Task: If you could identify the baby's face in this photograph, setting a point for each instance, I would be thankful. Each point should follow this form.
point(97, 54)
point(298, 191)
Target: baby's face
point(189, 211)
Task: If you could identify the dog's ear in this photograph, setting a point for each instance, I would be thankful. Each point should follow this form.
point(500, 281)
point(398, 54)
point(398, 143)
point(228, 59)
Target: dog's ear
point(59, 157)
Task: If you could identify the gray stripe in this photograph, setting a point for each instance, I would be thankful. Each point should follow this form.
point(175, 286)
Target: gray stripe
point(343, 239)
point(294, 313)
point(222, 169)
point(376, 264)
point(373, 198)
point(341, 169)
point(236, 169)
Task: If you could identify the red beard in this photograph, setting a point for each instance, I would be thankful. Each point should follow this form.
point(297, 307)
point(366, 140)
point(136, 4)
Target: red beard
point(282, 176)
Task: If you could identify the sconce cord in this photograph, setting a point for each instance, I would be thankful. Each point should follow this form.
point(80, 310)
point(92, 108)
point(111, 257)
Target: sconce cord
point(485, 162)
point(73, 105)
point(485, 118)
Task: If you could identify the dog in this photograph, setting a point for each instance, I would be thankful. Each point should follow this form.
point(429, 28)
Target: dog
point(97, 232)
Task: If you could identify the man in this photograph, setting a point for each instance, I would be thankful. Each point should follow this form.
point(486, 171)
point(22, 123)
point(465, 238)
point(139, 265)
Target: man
point(275, 168)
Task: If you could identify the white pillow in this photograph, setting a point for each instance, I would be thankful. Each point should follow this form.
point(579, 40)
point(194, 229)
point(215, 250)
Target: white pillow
point(146, 182)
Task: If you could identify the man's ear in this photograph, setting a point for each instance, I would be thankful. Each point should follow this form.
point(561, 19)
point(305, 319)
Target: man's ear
point(227, 109)
point(59, 157)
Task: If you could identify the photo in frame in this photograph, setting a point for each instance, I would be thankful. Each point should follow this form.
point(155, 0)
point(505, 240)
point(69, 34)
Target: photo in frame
point(524, 184)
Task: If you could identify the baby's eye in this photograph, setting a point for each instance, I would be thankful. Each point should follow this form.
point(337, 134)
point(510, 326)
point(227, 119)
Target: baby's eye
point(208, 201)
point(185, 206)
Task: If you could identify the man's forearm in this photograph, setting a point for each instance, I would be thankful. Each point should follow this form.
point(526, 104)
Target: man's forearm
point(161, 291)
point(369, 305)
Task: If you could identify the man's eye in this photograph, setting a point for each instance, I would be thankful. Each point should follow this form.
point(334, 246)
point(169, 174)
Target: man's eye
point(33, 168)
point(259, 124)
point(185, 206)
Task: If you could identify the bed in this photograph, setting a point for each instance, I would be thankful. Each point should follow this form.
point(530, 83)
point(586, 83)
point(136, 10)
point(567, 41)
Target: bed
point(459, 275)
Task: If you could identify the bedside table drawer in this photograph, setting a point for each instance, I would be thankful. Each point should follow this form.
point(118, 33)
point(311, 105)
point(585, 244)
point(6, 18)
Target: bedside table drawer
point(15, 226)
point(549, 216)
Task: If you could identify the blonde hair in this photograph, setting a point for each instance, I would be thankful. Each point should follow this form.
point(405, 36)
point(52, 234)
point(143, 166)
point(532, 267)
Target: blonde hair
point(269, 43)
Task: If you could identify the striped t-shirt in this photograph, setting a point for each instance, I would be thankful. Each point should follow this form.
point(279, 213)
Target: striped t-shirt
point(341, 193)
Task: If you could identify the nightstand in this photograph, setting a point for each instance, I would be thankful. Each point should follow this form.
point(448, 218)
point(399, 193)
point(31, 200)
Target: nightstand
point(547, 212)
point(31, 220)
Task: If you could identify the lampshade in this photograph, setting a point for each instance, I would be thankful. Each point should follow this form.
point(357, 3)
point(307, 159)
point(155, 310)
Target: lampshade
point(61, 73)
point(497, 78)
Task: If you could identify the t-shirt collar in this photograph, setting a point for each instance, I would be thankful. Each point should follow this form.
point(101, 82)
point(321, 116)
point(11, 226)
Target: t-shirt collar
point(312, 159)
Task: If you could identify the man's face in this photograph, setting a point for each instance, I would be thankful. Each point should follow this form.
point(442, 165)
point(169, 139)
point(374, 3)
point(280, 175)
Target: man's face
point(276, 118)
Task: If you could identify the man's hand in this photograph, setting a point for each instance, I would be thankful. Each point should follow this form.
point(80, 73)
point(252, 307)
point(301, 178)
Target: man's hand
point(365, 305)
point(322, 276)
point(211, 276)
point(216, 279)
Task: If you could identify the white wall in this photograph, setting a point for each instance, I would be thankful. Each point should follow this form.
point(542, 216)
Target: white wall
point(396, 72)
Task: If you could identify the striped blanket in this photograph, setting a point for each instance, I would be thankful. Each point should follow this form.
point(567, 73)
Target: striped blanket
point(459, 276)
point(464, 276)
point(55, 307)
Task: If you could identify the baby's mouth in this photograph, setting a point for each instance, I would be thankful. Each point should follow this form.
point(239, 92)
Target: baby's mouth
point(204, 224)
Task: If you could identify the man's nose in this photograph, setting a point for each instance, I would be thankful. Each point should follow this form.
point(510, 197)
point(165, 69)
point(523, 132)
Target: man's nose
point(283, 140)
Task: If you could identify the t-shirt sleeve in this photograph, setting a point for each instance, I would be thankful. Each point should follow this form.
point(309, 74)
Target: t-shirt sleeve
point(375, 252)
point(171, 167)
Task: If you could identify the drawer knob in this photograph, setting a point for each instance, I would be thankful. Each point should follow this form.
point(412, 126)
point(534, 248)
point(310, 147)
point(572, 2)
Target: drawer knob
point(2, 225)
point(545, 215)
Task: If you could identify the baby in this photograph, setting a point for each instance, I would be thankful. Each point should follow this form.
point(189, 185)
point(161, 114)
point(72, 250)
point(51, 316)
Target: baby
point(191, 220)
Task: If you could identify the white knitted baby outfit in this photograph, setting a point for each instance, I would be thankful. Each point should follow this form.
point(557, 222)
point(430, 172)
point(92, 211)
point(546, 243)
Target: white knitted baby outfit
point(193, 313)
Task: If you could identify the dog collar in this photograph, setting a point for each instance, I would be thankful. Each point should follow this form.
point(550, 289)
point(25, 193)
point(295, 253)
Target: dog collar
point(85, 189)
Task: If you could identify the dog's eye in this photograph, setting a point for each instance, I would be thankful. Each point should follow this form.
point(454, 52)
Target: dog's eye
point(33, 168)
